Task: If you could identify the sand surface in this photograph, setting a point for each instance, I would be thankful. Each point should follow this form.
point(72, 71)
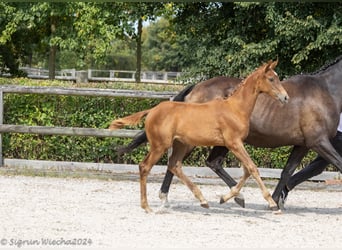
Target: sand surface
point(62, 212)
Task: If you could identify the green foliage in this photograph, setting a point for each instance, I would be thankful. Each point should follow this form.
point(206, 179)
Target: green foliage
point(94, 112)
point(160, 48)
point(201, 38)
point(234, 38)
point(68, 111)
point(205, 39)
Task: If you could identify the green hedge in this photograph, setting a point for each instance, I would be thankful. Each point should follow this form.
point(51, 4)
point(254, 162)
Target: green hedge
point(94, 112)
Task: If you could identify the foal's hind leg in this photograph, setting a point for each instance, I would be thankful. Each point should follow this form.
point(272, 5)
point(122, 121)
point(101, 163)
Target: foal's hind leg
point(144, 168)
point(181, 150)
point(175, 166)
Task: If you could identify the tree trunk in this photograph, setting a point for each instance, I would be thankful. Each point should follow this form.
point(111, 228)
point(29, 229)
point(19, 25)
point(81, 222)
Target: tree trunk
point(138, 40)
point(52, 52)
point(52, 62)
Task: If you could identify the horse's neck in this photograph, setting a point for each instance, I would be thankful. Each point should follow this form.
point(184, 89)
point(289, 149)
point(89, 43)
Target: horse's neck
point(332, 77)
point(244, 98)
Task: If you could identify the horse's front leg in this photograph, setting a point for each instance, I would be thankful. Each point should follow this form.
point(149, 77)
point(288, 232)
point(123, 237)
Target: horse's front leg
point(297, 154)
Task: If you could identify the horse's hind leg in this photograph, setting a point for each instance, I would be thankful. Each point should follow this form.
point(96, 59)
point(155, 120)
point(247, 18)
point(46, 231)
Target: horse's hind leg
point(164, 190)
point(178, 150)
point(175, 166)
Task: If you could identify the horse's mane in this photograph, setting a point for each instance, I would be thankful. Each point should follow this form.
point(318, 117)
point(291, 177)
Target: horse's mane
point(331, 63)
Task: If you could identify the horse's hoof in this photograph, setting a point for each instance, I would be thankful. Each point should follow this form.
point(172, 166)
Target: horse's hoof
point(162, 210)
point(276, 210)
point(165, 204)
point(163, 196)
point(240, 200)
point(205, 204)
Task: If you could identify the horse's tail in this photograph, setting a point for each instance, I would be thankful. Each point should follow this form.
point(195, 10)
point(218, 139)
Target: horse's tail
point(181, 95)
point(141, 137)
point(128, 120)
point(136, 142)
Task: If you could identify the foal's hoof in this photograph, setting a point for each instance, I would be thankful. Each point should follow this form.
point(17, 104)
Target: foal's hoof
point(148, 210)
point(205, 204)
point(240, 200)
point(222, 200)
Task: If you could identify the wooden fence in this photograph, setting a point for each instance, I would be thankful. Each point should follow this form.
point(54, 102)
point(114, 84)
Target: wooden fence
point(123, 133)
point(72, 131)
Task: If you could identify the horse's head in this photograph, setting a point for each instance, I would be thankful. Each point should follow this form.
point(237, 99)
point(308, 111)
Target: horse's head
point(269, 83)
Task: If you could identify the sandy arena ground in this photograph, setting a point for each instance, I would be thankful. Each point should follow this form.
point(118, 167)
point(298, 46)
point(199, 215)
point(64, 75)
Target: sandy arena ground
point(56, 212)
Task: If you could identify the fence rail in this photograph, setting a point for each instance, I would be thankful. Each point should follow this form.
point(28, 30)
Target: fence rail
point(104, 75)
point(85, 92)
point(71, 131)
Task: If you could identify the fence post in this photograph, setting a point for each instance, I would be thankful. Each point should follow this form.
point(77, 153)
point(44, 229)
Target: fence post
point(1, 122)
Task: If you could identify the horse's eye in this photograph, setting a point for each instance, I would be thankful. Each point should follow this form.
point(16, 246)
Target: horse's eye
point(271, 79)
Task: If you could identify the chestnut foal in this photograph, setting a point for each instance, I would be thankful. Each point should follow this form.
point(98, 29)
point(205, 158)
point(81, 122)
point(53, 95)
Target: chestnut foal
point(223, 122)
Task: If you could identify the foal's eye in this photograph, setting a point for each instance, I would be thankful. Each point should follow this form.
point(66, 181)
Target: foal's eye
point(271, 79)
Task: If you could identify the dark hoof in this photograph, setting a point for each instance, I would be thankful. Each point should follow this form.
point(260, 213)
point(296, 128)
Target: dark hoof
point(222, 200)
point(240, 201)
point(205, 205)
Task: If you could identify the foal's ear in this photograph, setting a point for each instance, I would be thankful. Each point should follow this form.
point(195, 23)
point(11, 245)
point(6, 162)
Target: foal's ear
point(270, 65)
point(267, 66)
point(273, 64)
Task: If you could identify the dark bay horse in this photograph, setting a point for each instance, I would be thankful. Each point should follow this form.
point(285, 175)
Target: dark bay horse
point(222, 122)
point(308, 121)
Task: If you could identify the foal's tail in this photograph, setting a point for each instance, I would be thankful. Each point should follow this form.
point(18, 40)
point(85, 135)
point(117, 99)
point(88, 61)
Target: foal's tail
point(141, 137)
point(128, 120)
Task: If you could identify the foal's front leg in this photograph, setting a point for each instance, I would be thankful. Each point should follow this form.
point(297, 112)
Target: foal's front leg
point(250, 168)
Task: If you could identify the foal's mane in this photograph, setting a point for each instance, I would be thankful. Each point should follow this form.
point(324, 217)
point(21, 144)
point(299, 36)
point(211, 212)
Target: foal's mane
point(331, 63)
point(243, 82)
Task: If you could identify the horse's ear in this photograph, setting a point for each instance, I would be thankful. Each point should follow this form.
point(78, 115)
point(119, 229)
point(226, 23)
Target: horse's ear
point(274, 64)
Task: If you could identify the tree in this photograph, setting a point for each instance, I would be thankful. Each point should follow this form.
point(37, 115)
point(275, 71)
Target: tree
point(15, 37)
point(139, 12)
point(161, 47)
point(234, 38)
point(85, 28)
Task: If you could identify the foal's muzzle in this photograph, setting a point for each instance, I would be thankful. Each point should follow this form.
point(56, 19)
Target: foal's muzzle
point(283, 98)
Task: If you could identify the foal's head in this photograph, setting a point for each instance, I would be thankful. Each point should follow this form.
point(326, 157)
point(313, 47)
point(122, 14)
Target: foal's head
point(268, 82)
